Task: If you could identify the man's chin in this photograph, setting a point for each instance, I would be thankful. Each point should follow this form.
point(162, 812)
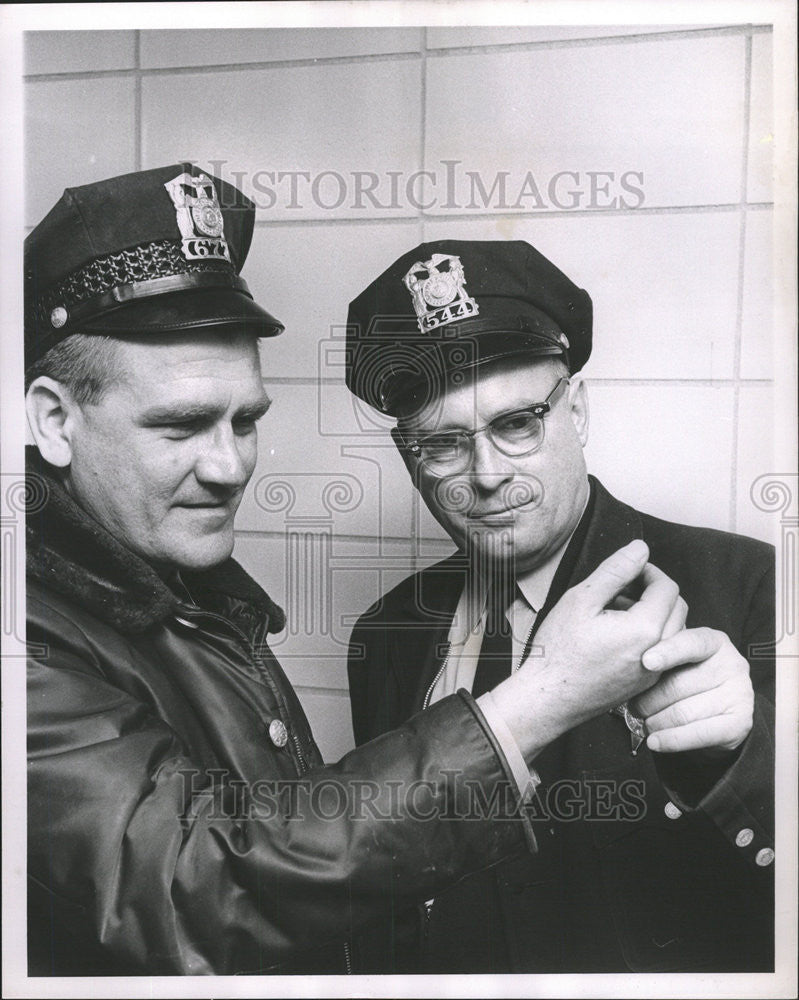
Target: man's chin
point(202, 554)
point(494, 545)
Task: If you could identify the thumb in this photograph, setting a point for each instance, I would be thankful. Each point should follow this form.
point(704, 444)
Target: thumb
point(614, 574)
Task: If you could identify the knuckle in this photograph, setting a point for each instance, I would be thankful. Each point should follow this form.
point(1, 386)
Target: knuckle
point(680, 716)
point(647, 634)
point(665, 688)
point(668, 742)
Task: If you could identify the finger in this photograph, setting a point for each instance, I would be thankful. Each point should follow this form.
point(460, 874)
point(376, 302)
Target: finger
point(676, 620)
point(722, 731)
point(705, 705)
point(672, 686)
point(658, 598)
point(620, 603)
point(614, 574)
point(685, 682)
point(691, 645)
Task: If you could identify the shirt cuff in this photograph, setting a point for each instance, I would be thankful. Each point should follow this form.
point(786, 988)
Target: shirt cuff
point(526, 777)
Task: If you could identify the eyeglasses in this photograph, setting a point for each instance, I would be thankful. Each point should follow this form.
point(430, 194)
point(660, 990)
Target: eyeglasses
point(515, 433)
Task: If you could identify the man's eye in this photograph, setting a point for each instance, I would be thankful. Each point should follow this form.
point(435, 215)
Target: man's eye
point(515, 423)
point(244, 426)
point(178, 431)
point(439, 443)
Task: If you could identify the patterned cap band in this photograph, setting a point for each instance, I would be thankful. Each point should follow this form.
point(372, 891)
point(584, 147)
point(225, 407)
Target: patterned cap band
point(136, 266)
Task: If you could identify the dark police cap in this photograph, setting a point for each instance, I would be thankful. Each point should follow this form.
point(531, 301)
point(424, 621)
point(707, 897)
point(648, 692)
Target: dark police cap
point(155, 251)
point(451, 305)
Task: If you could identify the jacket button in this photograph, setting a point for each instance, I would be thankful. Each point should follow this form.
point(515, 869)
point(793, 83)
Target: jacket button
point(764, 857)
point(744, 837)
point(672, 811)
point(278, 733)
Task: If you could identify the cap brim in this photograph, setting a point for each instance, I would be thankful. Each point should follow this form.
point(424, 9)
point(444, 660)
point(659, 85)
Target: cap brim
point(493, 342)
point(222, 308)
point(434, 363)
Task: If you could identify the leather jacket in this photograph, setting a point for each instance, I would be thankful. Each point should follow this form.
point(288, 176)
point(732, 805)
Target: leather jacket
point(180, 817)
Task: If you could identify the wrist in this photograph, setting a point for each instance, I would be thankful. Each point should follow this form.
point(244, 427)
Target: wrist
point(532, 719)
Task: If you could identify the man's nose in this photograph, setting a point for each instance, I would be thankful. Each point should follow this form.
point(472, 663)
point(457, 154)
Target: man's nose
point(223, 460)
point(490, 468)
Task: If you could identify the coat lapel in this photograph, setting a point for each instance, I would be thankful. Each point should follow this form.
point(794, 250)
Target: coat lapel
point(421, 646)
point(610, 525)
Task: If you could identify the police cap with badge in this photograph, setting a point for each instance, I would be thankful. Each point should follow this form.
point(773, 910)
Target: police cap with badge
point(157, 251)
point(449, 306)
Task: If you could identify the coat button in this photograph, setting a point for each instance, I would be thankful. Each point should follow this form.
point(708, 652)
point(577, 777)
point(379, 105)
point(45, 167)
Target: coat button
point(672, 811)
point(278, 733)
point(764, 857)
point(744, 837)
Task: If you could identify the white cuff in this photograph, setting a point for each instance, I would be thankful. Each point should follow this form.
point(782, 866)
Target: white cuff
point(526, 777)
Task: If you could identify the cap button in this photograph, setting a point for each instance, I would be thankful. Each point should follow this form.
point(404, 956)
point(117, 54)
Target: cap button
point(278, 733)
point(58, 317)
point(744, 837)
point(672, 811)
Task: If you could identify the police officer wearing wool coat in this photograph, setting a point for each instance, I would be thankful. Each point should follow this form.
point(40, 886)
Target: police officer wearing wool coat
point(180, 817)
point(654, 821)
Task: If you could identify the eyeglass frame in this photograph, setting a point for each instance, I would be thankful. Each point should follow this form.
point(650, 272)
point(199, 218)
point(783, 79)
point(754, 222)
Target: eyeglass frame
point(538, 410)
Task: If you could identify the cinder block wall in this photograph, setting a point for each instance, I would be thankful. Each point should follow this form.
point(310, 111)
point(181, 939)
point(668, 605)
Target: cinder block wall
point(677, 256)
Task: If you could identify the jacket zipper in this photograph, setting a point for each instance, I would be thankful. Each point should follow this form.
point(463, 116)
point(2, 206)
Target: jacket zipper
point(254, 654)
point(294, 738)
point(296, 741)
point(441, 669)
point(428, 906)
point(526, 646)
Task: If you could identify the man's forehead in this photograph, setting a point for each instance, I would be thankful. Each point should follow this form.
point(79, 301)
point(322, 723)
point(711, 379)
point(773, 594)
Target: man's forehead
point(162, 357)
point(167, 369)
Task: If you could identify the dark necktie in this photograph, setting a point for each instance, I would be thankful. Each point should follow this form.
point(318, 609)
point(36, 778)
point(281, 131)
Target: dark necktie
point(494, 664)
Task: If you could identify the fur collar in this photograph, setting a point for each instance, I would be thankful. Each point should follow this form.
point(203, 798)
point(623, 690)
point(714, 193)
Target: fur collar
point(74, 555)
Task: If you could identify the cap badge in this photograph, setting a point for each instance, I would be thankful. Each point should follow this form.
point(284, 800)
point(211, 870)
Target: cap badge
point(199, 217)
point(438, 293)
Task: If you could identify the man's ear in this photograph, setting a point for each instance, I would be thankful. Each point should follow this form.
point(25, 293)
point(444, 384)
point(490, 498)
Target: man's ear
point(51, 411)
point(407, 457)
point(578, 403)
